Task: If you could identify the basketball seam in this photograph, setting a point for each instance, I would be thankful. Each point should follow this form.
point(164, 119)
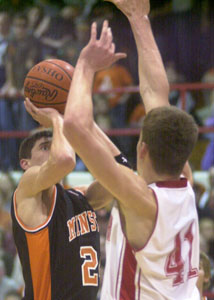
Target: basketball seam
point(57, 86)
point(47, 103)
point(50, 62)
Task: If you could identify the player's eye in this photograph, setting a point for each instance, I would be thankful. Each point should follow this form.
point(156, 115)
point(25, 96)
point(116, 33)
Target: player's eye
point(45, 147)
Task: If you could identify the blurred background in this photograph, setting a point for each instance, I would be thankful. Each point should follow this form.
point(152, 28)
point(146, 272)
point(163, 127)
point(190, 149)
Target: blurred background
point(34, 30)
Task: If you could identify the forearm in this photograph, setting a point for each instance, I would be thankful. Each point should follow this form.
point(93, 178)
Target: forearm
point(154, 86)
point(60, 148)
point(79, 103)
point(106, 141)
point(97, 196)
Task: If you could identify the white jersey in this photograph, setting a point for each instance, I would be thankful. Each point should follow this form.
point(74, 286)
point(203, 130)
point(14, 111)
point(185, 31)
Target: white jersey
point(166, 268)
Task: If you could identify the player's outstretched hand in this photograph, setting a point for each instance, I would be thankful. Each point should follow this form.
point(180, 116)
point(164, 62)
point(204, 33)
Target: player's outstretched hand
point(100, 52)
point(44, 116)
point(132, 7)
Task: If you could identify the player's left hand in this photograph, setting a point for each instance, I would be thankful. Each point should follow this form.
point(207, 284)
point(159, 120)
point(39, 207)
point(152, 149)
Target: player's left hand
point(44, 116)
point(133, 8)
point(100, 53)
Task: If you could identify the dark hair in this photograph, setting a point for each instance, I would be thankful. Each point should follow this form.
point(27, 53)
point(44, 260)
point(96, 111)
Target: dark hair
point(170, 135)
point(28, 143)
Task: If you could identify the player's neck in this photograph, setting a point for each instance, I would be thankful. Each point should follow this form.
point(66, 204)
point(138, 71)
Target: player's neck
point(150, 176)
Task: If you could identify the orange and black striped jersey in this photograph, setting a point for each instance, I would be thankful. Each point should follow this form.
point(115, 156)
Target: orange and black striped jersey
point(60, 258)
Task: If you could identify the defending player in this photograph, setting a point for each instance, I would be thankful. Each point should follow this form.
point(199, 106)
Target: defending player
point(153, 240)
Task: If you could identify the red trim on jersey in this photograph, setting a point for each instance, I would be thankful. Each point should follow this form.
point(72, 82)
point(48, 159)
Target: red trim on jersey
point(139, 284)
point(156, 219)
point(181, 183)
point(118, 271)
point(127, 289)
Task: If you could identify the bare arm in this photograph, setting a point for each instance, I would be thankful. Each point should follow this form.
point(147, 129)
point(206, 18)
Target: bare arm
point(187, 172)
point(96, 194)
point(79, 129)
point(154, 86)
point(61, 160)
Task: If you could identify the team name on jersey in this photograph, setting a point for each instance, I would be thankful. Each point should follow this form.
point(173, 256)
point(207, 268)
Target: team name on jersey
point(82, 224)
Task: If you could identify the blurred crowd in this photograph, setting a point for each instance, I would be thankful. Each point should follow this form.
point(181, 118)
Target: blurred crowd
point(185, 37)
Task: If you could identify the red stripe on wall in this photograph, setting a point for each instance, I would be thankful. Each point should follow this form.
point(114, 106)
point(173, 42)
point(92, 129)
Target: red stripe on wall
point(127, 290)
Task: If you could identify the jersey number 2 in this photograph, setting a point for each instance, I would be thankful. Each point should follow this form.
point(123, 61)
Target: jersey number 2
point(90, 264)
point(175, 264)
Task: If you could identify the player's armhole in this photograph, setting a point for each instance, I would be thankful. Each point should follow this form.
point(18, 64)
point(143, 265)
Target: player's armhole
point(135, 250)
point(43, 225)
point(155, 225)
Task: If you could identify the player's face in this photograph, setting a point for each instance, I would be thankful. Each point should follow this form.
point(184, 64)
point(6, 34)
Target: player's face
point(40, 151)
point(20, 28)
point(12, 297)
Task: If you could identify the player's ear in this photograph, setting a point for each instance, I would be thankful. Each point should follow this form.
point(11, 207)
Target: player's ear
point(24, 163)
point(143, 150)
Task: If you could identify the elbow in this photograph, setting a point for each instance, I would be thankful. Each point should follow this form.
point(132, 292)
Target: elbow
point(76, 127)
point(69, 125)
point(67, 162)
point(72, 124)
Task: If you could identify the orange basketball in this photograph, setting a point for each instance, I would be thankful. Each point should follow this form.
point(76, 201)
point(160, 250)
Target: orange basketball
point(47, 84)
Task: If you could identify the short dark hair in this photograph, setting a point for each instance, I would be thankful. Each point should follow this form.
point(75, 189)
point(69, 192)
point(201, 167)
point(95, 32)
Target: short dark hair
point(170, 134)
point(28, 143)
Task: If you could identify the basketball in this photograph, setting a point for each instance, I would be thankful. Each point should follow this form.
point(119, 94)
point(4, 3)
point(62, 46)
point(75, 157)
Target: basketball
point(47, 84)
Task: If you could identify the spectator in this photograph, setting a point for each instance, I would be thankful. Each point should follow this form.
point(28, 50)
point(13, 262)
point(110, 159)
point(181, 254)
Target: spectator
point(57, 31)
point(208, 158)
point(207, 111)
point(17, 275)
point(110, 109)
point(22, 53)
point(7, 243)
point(6, 190)
point(13, 295)
point(207, 231)
point(204, 273)
point(174, 97)
point(71, 49)
point(4, 37)
point(199, 190)
point(6, 283)
point(206, 201)
point(35, 15)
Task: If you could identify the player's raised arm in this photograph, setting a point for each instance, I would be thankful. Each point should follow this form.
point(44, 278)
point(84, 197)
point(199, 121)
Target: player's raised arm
point(80, 131)
point(154, 86)
point(96, 194)
point(51, 158)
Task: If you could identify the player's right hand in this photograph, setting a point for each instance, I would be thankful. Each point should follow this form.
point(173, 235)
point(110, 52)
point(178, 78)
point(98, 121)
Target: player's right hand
point(100, 52)
point(44, 116)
